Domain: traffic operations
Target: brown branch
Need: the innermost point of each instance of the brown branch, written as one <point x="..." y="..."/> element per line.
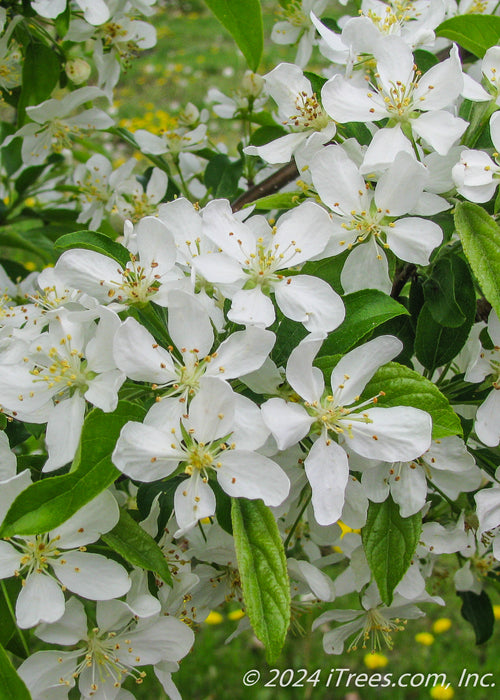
<point x="270" y="185"/>
<point x="401" y="279"/>
<point x="483" y="308"/>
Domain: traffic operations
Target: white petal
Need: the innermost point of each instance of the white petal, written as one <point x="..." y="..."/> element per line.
<point x="400" y="186"/>
<point x="301" y="233"/>
<point x="488" y="508"/>
<point x="252" y="307"/>
<point x="311" y="301"/>
<point x="69" y="629"/>
<point x="40" y="600"/>
<point x="138" y="354"/>
<point x="393" y="434"/>
<point x="63" y="431"/>
<point x="366" y="268"/>
<point x="288" y="422"/>
<point x="305" y="379"/>
<point x="410" y="490"/>
<point x="92" y="575"/>
<point x="193" y="500"/>
<point x="487" y="425"/>
<point x="211" y="412"/>
<point x="250" y="475"/>
<point x="243" y="352"/>
<point x="144" y="452"/>
<point x="10" y="560"/>
<point x="89" y="522"/>
<point x="346" y="102"/>
<point x="327" y="470"/>
<point x="354" y="370"/>
<point x="440" y="129"/>
<point x="188" y="323"/>
<point x="278" y="151"/>
<point x="413" y="239"/>
<point x="340" y="193"/>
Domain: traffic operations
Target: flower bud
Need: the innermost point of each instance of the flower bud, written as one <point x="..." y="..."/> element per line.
<point x="252" y="84"/>
<point x="77" y="70"/>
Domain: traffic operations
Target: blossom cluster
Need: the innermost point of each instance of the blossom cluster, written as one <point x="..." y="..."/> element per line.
<point x="331" y="363"/>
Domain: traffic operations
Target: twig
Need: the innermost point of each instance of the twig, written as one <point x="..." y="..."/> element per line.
<point x="401" y="279"/>
<point x="270" y="185"/>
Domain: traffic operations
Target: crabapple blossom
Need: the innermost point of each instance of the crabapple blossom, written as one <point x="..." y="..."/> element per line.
<point x="219" y="434"/>
<point x="252" y="258"/>
<point x="55" y="561"/>
<point x="404" y="432"/>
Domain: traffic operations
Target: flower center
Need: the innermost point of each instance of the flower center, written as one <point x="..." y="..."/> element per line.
<point x="310" y="114"/>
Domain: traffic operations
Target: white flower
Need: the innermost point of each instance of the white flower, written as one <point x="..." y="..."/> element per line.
<point x="106" y="654"/>
<point x="97" y="184"/>
<point x="253" y="255"/>
<point x="219" y="435"/>
<point x="56" y="560"/>
<point x="51" y="127"/>
<point x="69" y="364"/>
<point x="447" y="464"/>
<point x="374" y="623"/>
<point x="402" y="95"/>
<point x="477" y="176"/>
<point x="146" y="277"/>
<point x="486" y="366"/>
<point x="369" y="221"/>
<point x="403" y="432"/>
<point x="298" y="27"/>
<point x="141" y="358"/>
<point x="94" y="11"/>
<point x="300" y="109"/>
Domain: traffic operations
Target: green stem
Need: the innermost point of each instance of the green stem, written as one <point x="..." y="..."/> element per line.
<point x="452" y="505"/>
<point x="294" y="526"/>
<point x="13" y="615"/>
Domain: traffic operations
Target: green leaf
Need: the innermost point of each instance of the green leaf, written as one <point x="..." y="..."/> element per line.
<point x="243" y="20"/>
<point x="328" y="269"/>
<point x="48" y="503"/>
<point x="364" y="311"/>
<point x="317" y="82"/>
<point x="389" y="542"/>
<point x="424" y="60"/>
<point x="41" y="69"/>
<point x="266" y="134"/>
<point x="477" y="610"/>
<point x="281" y="200"/>
<point x="435" y="344"/>
<point x="264" y="576"/>
<point x="480" y="237"/>
<point x="9" y="590"/>
<point x="475" y="33"/>
<point x="12" y="686"/>
<point x="137" y="547"/>
<point x="91" y="240"/>
<point x="222" y="176"/>
<point x="405" y="387"/>
<point x="32" y="240"/>
<point x="440" y="291"/>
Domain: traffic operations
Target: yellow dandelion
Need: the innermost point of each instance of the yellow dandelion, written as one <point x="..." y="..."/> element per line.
<point x="496" y="612"/>
<point x="441" y="692"/>
<point x="214" y="618"/>
<point x="441" y="625"/>
<point x="236" y="614"/>
<point x="30" y="265"/>
<point x="375" y="660"/>
<point x="424" y="638"/>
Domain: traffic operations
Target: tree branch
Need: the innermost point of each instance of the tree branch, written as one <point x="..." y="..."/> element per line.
<point x="270" y="185"/>
<point x="401" y="279"/>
